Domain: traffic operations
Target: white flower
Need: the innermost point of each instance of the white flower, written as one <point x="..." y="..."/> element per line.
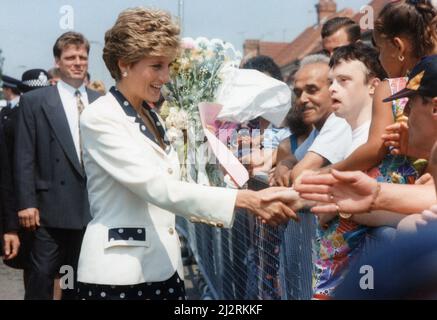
<point x="185" y="64"/>
<point x="177" y="119"/>
<point x="174" y="110"/>
<point x="170" y="121"/>
<point x="197" y="75"/>
<point x="181" y="120"/>
<point x="175" y="135"/>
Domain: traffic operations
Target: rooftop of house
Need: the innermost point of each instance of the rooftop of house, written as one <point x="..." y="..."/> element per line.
<point x="309" y="41"/>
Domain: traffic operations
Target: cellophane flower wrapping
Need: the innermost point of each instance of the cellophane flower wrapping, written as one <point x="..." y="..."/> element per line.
<point x="195" y="77"/>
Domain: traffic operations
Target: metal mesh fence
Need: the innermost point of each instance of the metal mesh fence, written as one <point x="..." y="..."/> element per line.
<point x="252" y="260"/>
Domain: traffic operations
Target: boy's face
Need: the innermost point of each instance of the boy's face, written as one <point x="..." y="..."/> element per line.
<point x="349" y="90"/>
<point x="422" y="124"/>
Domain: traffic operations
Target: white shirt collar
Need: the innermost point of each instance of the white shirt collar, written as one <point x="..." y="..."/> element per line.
<point x="65" y="87"/>
<point x="13" y="103"/>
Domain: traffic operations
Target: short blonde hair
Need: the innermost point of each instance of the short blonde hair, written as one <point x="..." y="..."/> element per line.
<point x="98" y="85"/>
<point x="137" y="33"/>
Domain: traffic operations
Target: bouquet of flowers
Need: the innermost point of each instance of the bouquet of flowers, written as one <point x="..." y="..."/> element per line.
<point x="207" y="71"/>
<point x="195" y="77"/>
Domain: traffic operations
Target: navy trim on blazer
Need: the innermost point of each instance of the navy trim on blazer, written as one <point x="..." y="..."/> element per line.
<point x="130" y="111"/>
<point x="127" y="234"/>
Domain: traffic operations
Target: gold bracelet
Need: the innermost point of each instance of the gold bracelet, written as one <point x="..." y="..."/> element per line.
<point x="375" y="196"/>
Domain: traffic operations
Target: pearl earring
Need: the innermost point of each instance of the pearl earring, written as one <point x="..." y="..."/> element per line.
<point x="124" y="74"/>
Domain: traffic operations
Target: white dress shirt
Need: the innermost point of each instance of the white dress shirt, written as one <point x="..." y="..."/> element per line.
<point x="69" y="103"/>
<point x="14" y="102"/>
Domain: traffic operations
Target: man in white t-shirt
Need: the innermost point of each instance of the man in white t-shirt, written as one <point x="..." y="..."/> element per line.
<point x="331" y="136"/>
<point x="354" y="75"/>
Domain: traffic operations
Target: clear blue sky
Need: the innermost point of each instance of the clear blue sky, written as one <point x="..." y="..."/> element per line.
<point x="28" y="28"/>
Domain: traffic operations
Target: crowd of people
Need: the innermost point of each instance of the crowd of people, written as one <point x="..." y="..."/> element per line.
<point x="380" y="93"/>
<point x="89" y="179"/>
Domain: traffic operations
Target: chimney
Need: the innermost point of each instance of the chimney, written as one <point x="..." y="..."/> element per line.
<point x="325" y="9"/>
<point x="251" y="47"/>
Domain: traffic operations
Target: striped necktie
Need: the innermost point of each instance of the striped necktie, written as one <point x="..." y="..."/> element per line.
<point x="80" y="107"/>
<point x="79" y="103"/>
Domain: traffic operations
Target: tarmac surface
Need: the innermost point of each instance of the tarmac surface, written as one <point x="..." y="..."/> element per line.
<point x="11" y="283"/>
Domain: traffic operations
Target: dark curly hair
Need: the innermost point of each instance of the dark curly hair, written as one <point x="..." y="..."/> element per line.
<point x="264" y="64"/>
<point x="415" y="19"/>
<point x="361" y="52"/>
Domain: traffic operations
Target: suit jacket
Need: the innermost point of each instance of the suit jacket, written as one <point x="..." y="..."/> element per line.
<point x="48" y="174"/>
<point x="8" y="215"/>
<point x="135" y="192"/>
<point x="8" y="118"/>
<point x="7" y="121"/>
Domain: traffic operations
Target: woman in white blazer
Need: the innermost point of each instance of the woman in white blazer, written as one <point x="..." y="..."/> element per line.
<point x="131" y="249"/>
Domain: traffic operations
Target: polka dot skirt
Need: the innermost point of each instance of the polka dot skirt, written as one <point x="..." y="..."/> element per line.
<point x="171" y="289"/>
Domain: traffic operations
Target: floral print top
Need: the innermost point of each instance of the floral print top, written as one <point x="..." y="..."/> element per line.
<point x="397" y="169"/>
<point x="341" y="243"/>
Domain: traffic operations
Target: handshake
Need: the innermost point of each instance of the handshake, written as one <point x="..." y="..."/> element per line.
<point x="274" y="205"/>
<point x="327" y="194"/>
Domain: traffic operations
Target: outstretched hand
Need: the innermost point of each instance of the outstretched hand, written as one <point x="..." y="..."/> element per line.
<point x="285" y="199"/>
<point x="288" y="196"/>
<point x="272" y="205"/>
<point x="348" y="192"/>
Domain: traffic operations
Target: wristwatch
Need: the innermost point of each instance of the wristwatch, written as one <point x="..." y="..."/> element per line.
<point x="345" y="215"/>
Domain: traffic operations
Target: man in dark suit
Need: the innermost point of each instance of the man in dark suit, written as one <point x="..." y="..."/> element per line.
<point x="9" y="225"/>
<point x="30" y="80"/>
<point x="49" y="176"/>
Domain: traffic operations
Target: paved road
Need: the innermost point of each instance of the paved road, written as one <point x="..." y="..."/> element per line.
<point x="11" y="283"/>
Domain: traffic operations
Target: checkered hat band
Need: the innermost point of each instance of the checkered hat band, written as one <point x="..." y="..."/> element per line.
<point x="35" y="83"/>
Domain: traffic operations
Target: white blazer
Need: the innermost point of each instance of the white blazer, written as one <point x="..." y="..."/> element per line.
<point x="134" y="192"/>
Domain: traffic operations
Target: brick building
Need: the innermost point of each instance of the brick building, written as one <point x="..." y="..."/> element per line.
<point x="287" y="54"/>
